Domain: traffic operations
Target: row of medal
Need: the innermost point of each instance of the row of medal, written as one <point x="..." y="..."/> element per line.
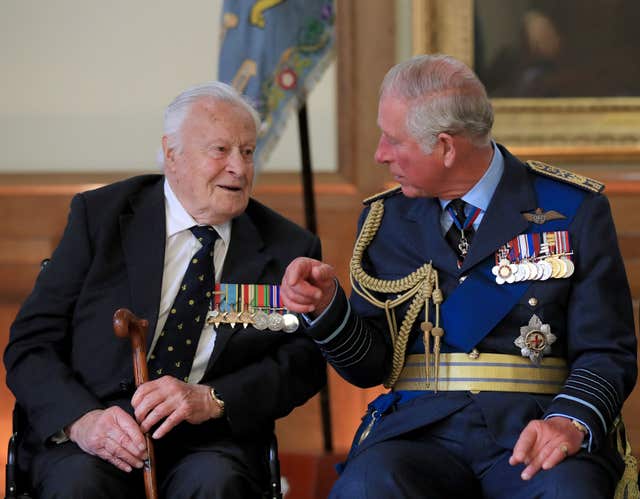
<point x="534" y="257"/>
<point x="258" y="305"/>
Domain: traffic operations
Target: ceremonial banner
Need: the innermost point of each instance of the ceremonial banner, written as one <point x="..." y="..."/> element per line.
<point x="274" y="51"/>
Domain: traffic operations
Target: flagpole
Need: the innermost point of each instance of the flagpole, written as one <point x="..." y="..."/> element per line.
<point x="310" y="220"/>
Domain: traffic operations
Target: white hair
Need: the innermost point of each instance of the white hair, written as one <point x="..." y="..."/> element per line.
<point x="445" y="96"/>
<point x="178" y="109"/>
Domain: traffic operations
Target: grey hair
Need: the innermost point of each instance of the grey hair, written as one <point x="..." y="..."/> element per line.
<point x="176" y="112"/>
<point x="444" y="96"/>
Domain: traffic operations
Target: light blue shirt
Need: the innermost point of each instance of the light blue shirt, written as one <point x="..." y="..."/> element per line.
<point x="480" y="194"/>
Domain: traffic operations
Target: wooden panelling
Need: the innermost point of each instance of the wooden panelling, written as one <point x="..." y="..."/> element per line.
<point x="7" y="314"/>
<point x="309" y="476"/>
<point x="631" y="409"/>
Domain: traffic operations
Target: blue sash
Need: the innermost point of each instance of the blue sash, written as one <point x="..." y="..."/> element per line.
<point x="489" y="301"/>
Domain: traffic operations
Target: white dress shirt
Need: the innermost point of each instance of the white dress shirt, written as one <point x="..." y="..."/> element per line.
<point x="180" y="246"/>
<point x="479" y="196"/>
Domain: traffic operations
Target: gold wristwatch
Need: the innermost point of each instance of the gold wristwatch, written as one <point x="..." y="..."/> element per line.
<point x="217" y="400"/>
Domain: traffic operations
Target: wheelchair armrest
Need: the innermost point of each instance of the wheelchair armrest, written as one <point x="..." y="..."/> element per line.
<point x="16" y="480"/>
<point x="274" y="469"/>
<point x="11" y="469"/>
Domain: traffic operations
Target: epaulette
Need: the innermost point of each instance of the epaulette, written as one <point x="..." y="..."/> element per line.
<point x="565" y="176"/>
<point x="383" y="194"/>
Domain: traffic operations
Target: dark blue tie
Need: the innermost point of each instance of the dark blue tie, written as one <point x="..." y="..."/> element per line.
<point x="176" y="346"/>
<point x="459" y="237"/>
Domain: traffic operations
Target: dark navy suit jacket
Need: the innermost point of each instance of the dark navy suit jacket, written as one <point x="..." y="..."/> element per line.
<point x="590" y="313"/>
<point x="64" y="360"/>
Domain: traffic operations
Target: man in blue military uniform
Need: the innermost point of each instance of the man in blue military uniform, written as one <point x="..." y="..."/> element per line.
<point x="489" y="296"/>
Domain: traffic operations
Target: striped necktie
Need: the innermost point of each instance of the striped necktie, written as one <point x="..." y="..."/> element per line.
<point x="461" y="232"/>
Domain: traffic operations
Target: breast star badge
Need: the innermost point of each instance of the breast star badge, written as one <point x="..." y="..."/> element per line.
<point x="535" y="340"/>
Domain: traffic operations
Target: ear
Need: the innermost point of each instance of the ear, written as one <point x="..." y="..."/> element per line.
<point x="168" y="152"/>
<point x="447" y="145"/>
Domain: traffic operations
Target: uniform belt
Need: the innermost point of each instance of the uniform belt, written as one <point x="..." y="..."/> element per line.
<point x="490" y="372"/>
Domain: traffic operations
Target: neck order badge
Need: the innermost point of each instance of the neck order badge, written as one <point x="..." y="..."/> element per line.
<point x="461" y="232"/>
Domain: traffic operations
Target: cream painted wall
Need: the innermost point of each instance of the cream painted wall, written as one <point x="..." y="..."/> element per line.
<point x="84" y="83"/>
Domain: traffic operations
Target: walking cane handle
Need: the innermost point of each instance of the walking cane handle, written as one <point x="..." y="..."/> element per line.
<point x="127" y="325"/>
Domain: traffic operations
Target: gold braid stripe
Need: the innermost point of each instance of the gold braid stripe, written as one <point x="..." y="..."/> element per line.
<point x="418" y="285"/>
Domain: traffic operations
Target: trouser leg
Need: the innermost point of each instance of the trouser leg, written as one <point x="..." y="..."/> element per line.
<point x="67" y="472"/>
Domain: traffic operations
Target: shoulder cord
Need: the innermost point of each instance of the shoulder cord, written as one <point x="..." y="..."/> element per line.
<point x="627" y="487"/>
<point x="422" y="285"/>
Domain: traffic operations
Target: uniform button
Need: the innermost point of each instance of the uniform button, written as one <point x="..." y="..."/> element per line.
<point x="533" y="301"/>
<point x="461" y="280"/>
<point x="474" y="354"/>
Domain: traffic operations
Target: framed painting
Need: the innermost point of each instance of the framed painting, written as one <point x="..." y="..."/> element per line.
<point x="561" y="75"/>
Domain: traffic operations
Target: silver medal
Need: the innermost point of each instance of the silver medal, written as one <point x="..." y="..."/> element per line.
<point x="290" y="323"/>
<point x="275" y="322"/>
<point x="260" y="320"/>
<point x="546" y="270"/>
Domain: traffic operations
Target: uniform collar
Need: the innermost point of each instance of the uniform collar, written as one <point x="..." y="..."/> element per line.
<point x="481" y="193"/>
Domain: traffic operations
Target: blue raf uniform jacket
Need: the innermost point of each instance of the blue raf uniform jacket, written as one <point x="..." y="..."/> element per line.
<point x="590" y="312"/>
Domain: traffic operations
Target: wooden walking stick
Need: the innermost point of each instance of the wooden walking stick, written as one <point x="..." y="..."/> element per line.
<point x="127" y="325"/>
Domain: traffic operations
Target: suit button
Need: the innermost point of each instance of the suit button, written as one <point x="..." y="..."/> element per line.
<point x="533" y="301"/>
<point x="461" y="280"/>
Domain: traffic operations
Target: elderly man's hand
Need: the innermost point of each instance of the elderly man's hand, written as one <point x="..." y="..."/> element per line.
<point x="544" y="444"/>
<point x="308" y="286"/>
<point x="112" y="435"/>
<point x="174" y="401"/>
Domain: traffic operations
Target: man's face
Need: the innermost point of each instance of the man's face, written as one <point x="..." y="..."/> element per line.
<point x="420" y="174"/>
<point x="212" y="173"/>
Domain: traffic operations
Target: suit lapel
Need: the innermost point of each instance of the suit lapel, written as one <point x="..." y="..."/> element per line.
<point x="503" y="219"/>
<point x="426" y="213"/>
<point x="143" y="241"/>
<point x="245" y="263"/>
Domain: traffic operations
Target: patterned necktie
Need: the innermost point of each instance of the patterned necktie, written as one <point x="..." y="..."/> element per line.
<point x="176" y="347"/>
<point x="460" y="234"/>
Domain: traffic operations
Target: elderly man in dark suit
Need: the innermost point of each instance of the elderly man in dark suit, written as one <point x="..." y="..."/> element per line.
<point x="129" y="244"/>
<point x="490" y="296"/>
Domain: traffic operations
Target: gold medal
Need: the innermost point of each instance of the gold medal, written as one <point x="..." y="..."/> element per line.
<point x="563" y="268"/>
<point x="570" y="267"/>
<point x="231" y="318"/>
<point x="214" y="317"/>
<point x="556" y="266"/>
<point x="246" y="318"/>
